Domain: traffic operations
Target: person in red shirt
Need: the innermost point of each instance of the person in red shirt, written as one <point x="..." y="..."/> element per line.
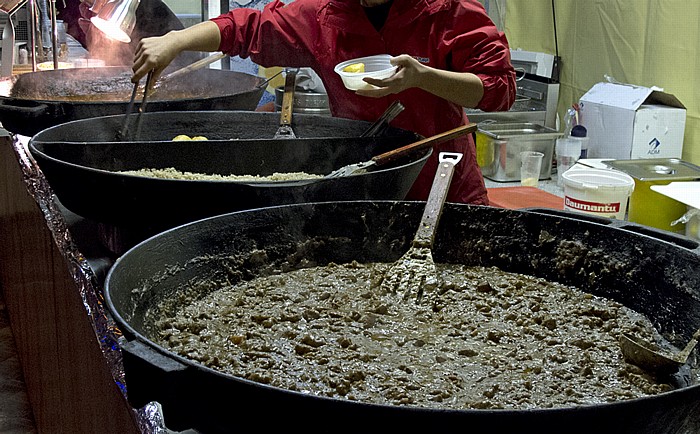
<point x="450" y="56"/>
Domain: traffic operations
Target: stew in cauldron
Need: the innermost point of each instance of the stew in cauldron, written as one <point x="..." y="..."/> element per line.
<point x="650" y="272"/>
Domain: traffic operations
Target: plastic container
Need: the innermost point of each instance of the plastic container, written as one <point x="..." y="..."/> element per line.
<point x="647" y="207"/>
<point x="568" y="151"/>
<point x="378" y="67"/>
<point x="599" y="192"/>
<point x="531" y="166"/>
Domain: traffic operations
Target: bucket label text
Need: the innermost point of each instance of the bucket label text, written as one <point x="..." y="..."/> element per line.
<point x="582" y="205"/>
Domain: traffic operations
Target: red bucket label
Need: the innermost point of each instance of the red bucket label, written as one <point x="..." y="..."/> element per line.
<point x="607" y="209"/>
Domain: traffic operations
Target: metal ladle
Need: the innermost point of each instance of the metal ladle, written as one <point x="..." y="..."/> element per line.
<point x="639" y="353"/>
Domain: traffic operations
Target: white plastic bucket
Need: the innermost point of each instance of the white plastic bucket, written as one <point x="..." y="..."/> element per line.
<point x="599" y="192"/>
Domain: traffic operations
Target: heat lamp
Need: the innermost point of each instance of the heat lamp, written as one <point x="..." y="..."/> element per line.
<point x="116" y="18"/>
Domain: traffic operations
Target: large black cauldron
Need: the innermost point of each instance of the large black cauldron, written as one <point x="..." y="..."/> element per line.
<point x="82" y="160"/>
<point x="652" y="272"/>
<point x="38" y="100"/>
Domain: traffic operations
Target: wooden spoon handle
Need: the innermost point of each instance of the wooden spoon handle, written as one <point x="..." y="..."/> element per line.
<point x="390" y="156"/>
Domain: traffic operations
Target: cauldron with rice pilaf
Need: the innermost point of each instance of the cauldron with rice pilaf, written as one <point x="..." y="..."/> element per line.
<point x="650" y="271"/>
<point x="83" y="164"/>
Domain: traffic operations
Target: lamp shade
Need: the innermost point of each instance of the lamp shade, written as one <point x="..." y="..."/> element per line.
<point x="116" y="18"/>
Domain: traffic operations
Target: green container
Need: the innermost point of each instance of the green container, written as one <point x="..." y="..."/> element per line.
<point x="648" y="207"/>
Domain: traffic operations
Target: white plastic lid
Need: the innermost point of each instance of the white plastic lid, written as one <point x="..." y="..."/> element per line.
<point x="598" y="179"/>
<point x="684" y="192"/>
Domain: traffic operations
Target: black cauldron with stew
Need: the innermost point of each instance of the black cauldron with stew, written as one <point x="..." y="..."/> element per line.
<point x="650" y="271"/>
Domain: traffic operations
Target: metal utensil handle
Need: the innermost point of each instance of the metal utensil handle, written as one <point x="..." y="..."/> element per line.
<point x="144" y="100"/>
<point x="290" y="83"/>
<point x="690" y="346"/>
<point x="389" y="114"/>
<point x="390" y="156"/>
<point x="267" y="80"/>
<point x="129" y="109"/>
<point x="436" y="200"/>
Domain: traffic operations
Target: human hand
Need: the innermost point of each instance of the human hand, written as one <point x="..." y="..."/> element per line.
<point x="154" y="54"/>
<point x="407" y="76"/>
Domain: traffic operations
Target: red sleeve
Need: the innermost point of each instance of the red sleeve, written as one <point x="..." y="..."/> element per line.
<point x="270" y="37"/>
<point x="475" y="45"/>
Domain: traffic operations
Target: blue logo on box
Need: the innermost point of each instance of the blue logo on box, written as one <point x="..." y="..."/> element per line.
<point x="654" y="145"/>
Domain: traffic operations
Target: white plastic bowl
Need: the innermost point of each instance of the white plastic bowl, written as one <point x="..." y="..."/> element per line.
<point x="377" y="67"/>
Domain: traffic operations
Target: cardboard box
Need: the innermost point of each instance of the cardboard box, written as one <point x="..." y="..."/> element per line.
<point x="630" y="122"/>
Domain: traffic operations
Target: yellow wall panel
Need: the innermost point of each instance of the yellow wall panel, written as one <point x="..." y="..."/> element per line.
<point x="643" y="42"/>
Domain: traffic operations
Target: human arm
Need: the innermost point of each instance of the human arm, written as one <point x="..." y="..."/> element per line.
<point x="462" y="88"/>
<point x="467" y="61"/>
<point x="156" y="53"/>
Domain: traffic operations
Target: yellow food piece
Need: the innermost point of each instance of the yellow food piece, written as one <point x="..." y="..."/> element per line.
<point x="183" y="137"/>
<point x="355" y="67"/>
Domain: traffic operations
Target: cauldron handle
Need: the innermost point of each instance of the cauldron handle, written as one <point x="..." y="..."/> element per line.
<point x="155" y="369"/>
<point x="32" y="112"/>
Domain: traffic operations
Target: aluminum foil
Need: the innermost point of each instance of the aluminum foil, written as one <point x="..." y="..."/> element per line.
<point x="149" y="418"/>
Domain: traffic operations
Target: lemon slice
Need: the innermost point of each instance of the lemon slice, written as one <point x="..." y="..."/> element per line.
<point x="355" y="67"/>
<point x="199" y="138"/>
<point x="181" y="138"/>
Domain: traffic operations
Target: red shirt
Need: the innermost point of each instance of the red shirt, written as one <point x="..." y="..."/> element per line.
<point x="454" y="35"/>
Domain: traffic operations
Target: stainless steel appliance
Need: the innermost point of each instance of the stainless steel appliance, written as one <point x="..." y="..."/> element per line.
<point x="14" y="29"/>
<point x="537" y="92"/>
<point x="499" y="144"/>
<point x="305" y="101"/>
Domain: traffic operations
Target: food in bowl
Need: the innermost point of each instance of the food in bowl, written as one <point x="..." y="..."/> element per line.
<point x="378" y="67"/>
<point x="355" y="67"/>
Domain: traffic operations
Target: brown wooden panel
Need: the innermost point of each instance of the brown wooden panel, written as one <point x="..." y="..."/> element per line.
<point x="70" y="386"/>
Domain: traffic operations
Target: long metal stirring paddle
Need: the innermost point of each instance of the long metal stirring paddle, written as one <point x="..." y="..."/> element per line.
<point x="389" y="114"/>
<point x="142" y="108"/>
<point x="121" y="134"/>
